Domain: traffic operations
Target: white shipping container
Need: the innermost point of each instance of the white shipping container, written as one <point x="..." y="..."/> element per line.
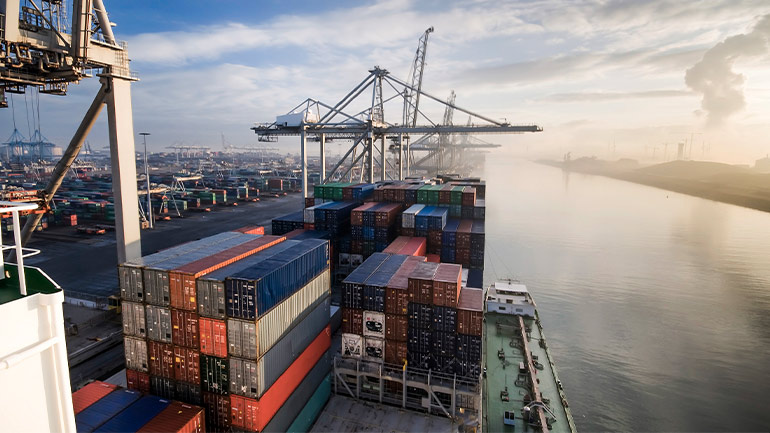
<point x="158" y="323"/>
<point x="374" y="349"/>
<point x="374" y="324"/>
<point x="309" y="215"/>
<point x="133" y="319"/>
<point x="356" y="260"/>
<point x="407" y="217"/>
<point x="344" y="259"/>
<point x="136" y="353"/>
<point x="352" y="345"/>
<point x="252" y="339"/>
<point x="295" y="119"/>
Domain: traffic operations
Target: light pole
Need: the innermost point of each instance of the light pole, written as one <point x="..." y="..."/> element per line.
<point x="147" y="176"/>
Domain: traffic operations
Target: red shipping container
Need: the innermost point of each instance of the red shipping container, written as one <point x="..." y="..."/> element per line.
<point x="217" y="411"/>
<point x="187" y="365"/>
<point x="433" y="258"/>
<point x="395" y="352"/>
<point x="137" y="380"/>
<point x="470" y="312"/>
<point x="463" y="236"/>
<point x="445" y="194"/>
<point x="396" y="327"/>
<point x="396" y="246"/>
<point x="469" y="196"/>
<point x="414" y="247"/>
<point x="446" y="285"/>
<point x="386" y="215"/>
<point x="357" y="214"/>
<point x="293" y="233"/>
<point x="181" y="280"/>
<point x="308" y="226"/>
<point x="177" y="417"/>
<point x="396" y="300"/>
<point x="184" y="328"/>
<point x="309" y="202"/>
<point x="253" y="415"/>
<point x="213" y="337"/>
<point x="161" y="357"/>
<point x="251" y="230"/>
<point x="400" y="196"/>
<point x="420" y="285"/>
<point x="90" y="394"/>
<point x="352" y="321"/>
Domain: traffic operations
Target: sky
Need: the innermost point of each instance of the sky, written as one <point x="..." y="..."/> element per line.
<point x="610" y="79"/>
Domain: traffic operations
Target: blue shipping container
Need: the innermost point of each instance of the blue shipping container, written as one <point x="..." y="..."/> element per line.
<point x="135" y="416"/>
<point x="100" y="412"/>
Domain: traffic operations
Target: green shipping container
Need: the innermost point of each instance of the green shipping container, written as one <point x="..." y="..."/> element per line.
<point x="313" y="408"/>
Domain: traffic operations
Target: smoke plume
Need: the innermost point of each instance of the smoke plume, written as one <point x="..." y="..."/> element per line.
<point x="713" y="75"/>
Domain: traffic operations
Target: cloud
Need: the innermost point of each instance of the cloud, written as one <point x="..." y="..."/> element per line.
<point x="713" y="75"/>
<point x="613" y="96"/>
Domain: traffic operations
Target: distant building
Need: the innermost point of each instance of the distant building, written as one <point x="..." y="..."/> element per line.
<point x="763" y="165"/>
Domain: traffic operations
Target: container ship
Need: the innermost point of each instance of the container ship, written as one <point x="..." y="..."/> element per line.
<point x="373" y="293"/>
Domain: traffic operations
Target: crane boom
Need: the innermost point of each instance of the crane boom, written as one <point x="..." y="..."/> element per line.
<point x="412" y="99"/>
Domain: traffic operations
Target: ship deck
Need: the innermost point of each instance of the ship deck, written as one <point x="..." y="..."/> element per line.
<point x="502" y="373"/>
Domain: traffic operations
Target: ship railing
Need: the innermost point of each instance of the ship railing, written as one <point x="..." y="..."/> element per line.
<point x="14" y="208"/>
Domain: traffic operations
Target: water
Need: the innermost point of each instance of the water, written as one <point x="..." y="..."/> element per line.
<point x="656" y="305"/>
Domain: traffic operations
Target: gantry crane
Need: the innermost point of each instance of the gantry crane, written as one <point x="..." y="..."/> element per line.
<point x="39" y="49"/>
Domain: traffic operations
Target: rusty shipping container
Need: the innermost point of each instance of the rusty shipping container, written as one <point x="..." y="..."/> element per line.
<point x="159" y="326"/>
<point x="446" y="285"/>
<point x="137" y="380"/>
<point x="134" y="322"/>
<point x="421" y="283"/>
<point x="470" y="312"/>
<point x="187" y="366"/>
<point x="253" y="415"/>
<point x="161" y="359"/>
<point x="252" y="378"/>
<point x="252" y="339"/>
<point x="184" y="329"/>
<point x="396" y="293"/>
<point x="217" y="411"/>
<point x="213" y="336"/>
<point x="396" y="326"/>
<point x="178" y="417"/>
<point x="395" y="352"/>
<point x="352" y="320"/>
<point x="136" y="353"/>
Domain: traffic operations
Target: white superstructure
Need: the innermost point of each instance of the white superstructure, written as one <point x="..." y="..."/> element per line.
<point x="508" y="297"/>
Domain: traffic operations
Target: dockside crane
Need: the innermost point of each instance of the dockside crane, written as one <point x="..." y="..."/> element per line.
<point x="41" y="50"/>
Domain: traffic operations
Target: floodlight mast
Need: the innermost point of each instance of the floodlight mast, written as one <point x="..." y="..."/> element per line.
<point x="39" y="52"/>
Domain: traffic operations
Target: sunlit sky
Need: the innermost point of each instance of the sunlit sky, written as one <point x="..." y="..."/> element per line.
<point x="591" y="73"/>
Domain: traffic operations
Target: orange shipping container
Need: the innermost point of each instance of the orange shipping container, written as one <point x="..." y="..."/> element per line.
<point x="253" y="415"/>
<point x="395" y="352"/>
<point x="470" y="312"/>
<point x="213" y="337"/>
<point x="446" y="285"/>
<point x="90" y="394"/>
<point x="396" y="327"/>
<point x="184" y="328"/>
<point x="187" y="365"/>
<point x="251" y="230"/>
<point x="161" y="359"/>
<point x="177" y="417"/>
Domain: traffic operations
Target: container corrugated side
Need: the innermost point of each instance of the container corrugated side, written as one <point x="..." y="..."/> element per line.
<point x="251" y="378"/>
<point x="178" y="417"/>
<point x="184" y="328"/>
<point x="217" y="411"/>
<point x="171" y="389"/>
<point x="159" y="326"/>
<point x="135" y="416"/>
<point x="252" y="339"/>
<point x="136" y="353"/>
<point x="215" y="374"/>
<point x="137" y="380"/>
<point x="213" y="337"/>
<point x="305" y="402"/>
<point x="90" y="394"/>
<point x="187" y="365"/>
<point x="90" y="418"/>
<point x="161" y="359"/>
<point x="134" y="322"/>
<point x="253" y="415"/>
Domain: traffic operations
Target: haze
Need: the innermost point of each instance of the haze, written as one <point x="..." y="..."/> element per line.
<point x="612" y="79"/>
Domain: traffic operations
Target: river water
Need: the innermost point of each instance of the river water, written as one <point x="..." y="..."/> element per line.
<point x="656" y="305"/>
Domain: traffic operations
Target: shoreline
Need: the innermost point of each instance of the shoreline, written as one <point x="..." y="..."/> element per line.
<point x="709" y="190"/>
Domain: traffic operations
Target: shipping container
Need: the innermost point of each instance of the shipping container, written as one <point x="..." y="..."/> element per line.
<point x="213" y="337"/>
<point x="251" y="378"/>
<point x="159" y="327"/>
<point x="352" y="320"/>
<point x="171" y="389"/>
<point x="217" y="411"/>
<point x="184" y="329"/>
<point x="135" y="416"/>
<point x="396" y="327"/>
<point x="469" y="348"/>
<point x="420" y="284"/>
<point x="444" y="319"/>
<point x="353" y="285"/>
<point x="396" y="293"/>
<point x="99" y="412"/>
<point x="420" y="315"/>
<point x="419" y="359"/>
<point x="134" y="323"/>
<point x="187" y="365"/>
<point x="178" y="417"/>
<point x="468" y="369"/>
<point x="444" y="343"/>
<point x="212" y="300"/>
<point x="251" y="230"/>
<point x="446" y="285"/>
<point x="397" y="245"/>
<point x="463" y="235"/>
<point x="357" y="214"/>
<point x="352" y="345"/>
<point x="253" y="415"/>
<point x="161" y="359"/>
<point x="307" y="417"/>
<point x="287" y="223"/>
<point x="395" y="352"/>
<point x="415" y="247"/>
<point x="374" y="286"/>
<point x="443" y="364"/>
<point x="90" y="394"/>
<point x="252" y="339"/>
<point x="470" y="312"/>
<point x="374" y="324"/>
<point x="420" y="340"/>
<point x="215" y="376"/>
<point x="137" y="380"/>
<point x="374" y="349"/>
<point x="252" y="293"/>
<point x="136" y="354"/>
